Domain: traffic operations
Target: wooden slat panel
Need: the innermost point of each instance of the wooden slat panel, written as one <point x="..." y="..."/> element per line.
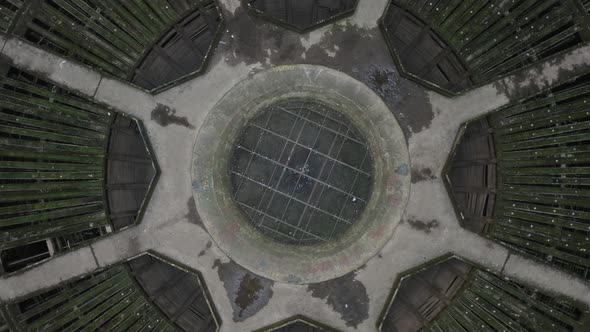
<point x="90" y="304"/>
<point x="301" y="14"/>
<point x="544" y="171"/>
<point x="182" y="50"/>
<point x="114" y="300"/>
<point x="53" y="148"/>
<point x="489" y="38"/>
<point x="481" y="301"/>
<point x="126" y="38"/>
<point x="8" y="12"/>
<point x="54" y="181"/>
<point x="490" y="303"/>
<point x="472" y="176"/>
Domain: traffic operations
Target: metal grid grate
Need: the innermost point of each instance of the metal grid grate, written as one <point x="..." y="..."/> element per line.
<point x="301" y="172"/>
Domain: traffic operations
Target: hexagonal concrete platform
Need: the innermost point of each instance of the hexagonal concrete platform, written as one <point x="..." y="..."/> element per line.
<point x="540" y="80"/>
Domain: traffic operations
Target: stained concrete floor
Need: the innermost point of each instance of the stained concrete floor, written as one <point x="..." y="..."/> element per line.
<point x="172" y="227"/>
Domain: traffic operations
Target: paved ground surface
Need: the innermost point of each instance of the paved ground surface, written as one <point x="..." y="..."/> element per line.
<point x="172" y="227"/>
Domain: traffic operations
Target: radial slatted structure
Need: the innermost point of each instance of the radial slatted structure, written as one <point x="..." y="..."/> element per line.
<point x="521" y="175"/>
<point x="490" y="303"/>
<point x="544" y="170"/>
<point x="120" y="299"/>
<point x="453" y="45"/>
<point x="55" y="188"/>
<point x="453" y="295"/>
<point x="153" y="44"/>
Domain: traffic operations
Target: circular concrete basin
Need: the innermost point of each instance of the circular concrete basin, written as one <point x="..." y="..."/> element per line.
<point x="235" y="148"/>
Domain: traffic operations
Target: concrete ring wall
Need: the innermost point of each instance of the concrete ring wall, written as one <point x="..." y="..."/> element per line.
<point x="226" y="222"/>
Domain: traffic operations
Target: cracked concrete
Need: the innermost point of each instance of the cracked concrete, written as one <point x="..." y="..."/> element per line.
<point x="248" y="293"/>
<point x="164" y="116"/>
<point x="430" y="122"/>
<point x="345" y="295"/>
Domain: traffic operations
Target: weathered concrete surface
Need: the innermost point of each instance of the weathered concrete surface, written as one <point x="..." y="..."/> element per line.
<point x="77" y="77"/>
<point x="345" y="295"/>
<point x="60" y="268"/>
<point x="544" y="75"/>
<point x="354" y="46"/>
<point x="518" y="268"/>
<point x="248" y="293"/>
<point x="59" y="70"/>
<point x="122" y="96"/>
<point x="229" y="227"/>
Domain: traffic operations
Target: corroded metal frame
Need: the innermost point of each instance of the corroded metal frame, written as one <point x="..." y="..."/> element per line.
<point x="398" y="62"/>
<point x="294" y="319"/>
<point x="449" y="163"/>
<point x="259" y="14"/>
<point x="204" y="65"/>
<point x="157" y="172"/>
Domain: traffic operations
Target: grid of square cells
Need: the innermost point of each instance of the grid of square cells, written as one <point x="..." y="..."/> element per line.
<point x="301" y="172"/>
